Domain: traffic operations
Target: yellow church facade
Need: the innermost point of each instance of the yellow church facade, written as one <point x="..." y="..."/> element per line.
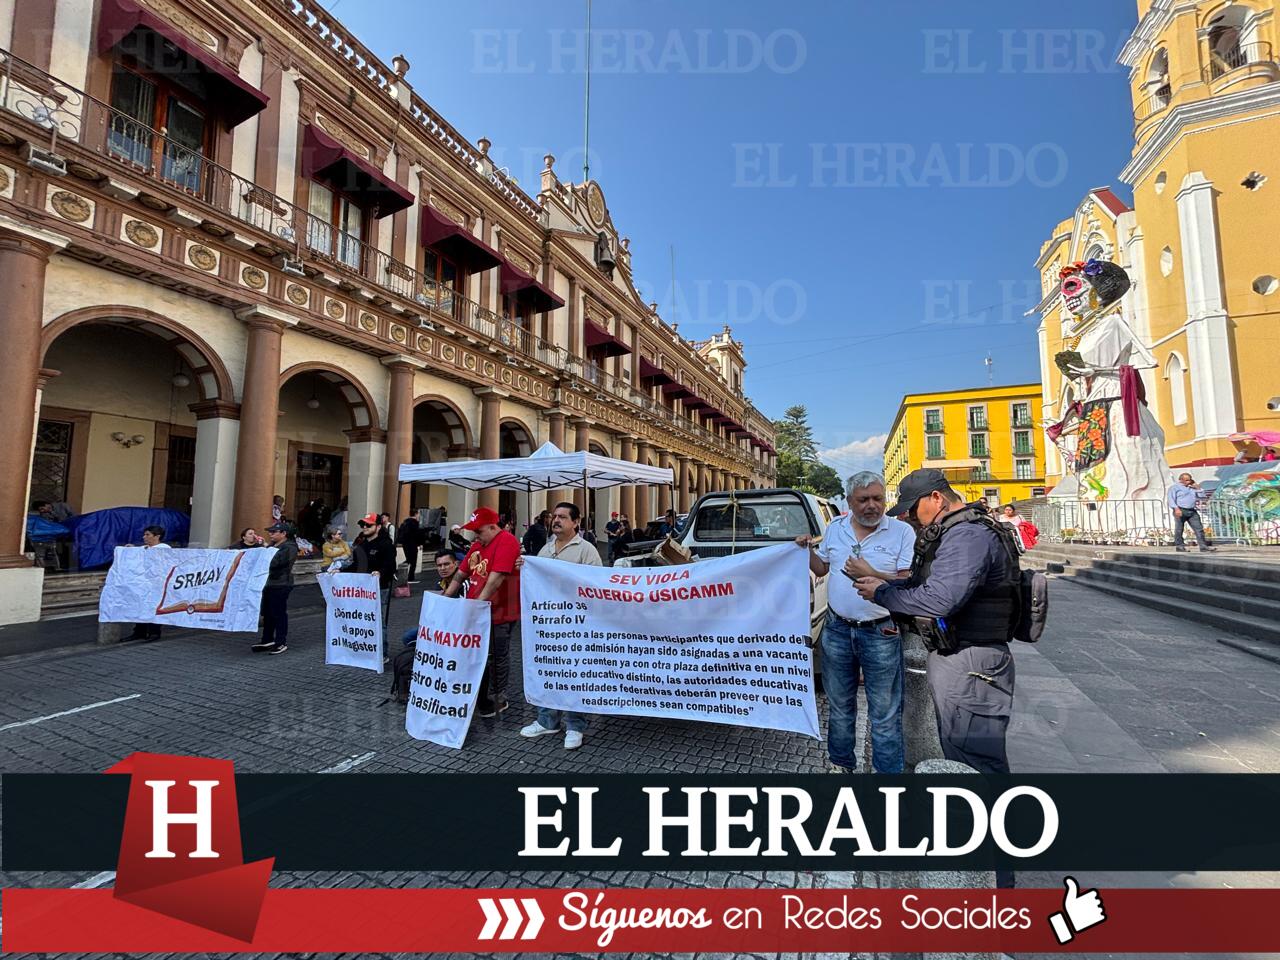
<point x="1199" y="242"/>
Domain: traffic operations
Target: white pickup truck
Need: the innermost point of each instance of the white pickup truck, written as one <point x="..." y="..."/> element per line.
<point x="717" y="527"/>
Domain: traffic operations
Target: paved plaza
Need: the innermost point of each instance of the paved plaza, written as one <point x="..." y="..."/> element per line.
<point x="1113" y="687"/>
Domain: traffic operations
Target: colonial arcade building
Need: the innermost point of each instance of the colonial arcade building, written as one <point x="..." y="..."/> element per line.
<point x="241" y="257"/>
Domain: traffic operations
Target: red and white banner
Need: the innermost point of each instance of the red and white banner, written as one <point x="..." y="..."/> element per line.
<point x="596" y="921"/>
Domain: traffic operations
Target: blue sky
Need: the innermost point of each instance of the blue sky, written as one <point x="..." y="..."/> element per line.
<point x="859" y="189"/>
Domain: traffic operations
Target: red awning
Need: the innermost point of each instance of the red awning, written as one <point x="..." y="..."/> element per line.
<point x="651" y="371"/>
<point x="598" y="338"/>
<point x="124" y="20"/>
<point x="456" y="243"/>
<point x="324" y="158"/>
<point x="515" y="282"/>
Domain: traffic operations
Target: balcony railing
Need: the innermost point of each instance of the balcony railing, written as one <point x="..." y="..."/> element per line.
<point x="1153" y="103"/>
<point x="1222" y="62"/>
<point x="179" y="175"/>
<point x="932" y="426"/>
<point x="1021" y="419"/>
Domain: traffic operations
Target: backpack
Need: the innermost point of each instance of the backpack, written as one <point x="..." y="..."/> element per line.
<point x="1031" y="586"/>
<point x="401" y="674"/>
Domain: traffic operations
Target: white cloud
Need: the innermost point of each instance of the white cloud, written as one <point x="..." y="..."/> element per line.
<point x="864" y="454"/>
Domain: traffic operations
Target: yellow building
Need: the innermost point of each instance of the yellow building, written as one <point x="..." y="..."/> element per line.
<point x="986" y="440"/>
<point x="1198" y="244"/>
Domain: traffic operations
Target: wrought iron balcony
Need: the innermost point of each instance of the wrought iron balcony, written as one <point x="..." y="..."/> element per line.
<point x="1155" y="102"/>
<point x="171" y="175"/>
<point x="1219" y="63"/>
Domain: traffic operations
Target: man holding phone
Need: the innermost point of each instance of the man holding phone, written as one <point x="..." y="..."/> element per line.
<point x="858" y="634"/>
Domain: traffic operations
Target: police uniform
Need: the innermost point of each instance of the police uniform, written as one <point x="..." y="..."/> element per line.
<point x="963" y="589"/>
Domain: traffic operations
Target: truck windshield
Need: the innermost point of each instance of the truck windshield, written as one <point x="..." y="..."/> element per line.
<point x="750" y="520"/>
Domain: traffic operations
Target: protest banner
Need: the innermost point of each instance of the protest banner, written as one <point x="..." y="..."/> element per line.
<point x="723" y="640"/>
<point x="201" y="589"/>
<point x="352" y="620"/>
<point x="448" y="662"/>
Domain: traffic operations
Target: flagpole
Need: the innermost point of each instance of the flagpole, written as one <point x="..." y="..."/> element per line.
<point x="586" y="118"/>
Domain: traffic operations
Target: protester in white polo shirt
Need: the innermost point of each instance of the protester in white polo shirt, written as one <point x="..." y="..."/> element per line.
<point x="859" y="635"/>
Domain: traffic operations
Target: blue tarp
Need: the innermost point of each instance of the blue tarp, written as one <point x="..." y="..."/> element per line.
<point x="97" y="534"/>
<point x="40" y="530"/>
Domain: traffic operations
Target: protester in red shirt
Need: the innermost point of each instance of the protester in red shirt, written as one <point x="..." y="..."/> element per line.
<point x="490" y="567"/>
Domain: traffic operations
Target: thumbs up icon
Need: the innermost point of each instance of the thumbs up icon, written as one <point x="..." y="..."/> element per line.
<point x="1083" y="910"/>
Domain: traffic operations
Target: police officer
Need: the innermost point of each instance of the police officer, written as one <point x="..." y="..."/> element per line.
<point x="963" y="598"/>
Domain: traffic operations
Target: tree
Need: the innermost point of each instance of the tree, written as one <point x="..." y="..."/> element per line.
<point x="795" y="436"/>
<point x="824" y="481"/>
<point x="791" y="471"/>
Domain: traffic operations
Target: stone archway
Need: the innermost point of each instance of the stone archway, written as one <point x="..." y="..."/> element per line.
<point x="329" y="447"/>
<point x="136" y="410"/>
<point x="515" y="439"/>
<point x="441" y="431"/>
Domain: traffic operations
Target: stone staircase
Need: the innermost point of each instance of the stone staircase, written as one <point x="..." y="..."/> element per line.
<point x="1235" y="590"/>
<point x="76" y="594"/>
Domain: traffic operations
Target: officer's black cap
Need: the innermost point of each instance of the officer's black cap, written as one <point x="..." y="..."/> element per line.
<point x="917" y="484"/>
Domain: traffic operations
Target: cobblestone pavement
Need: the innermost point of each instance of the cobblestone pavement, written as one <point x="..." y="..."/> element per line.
<point x="1113" y="687"/>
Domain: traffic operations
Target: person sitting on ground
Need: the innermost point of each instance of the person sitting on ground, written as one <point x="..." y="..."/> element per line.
<point x="446" y="567"/>
<point x="337" y="552"/>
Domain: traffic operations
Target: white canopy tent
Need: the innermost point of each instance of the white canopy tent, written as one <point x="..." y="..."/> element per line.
<point x="547" y="468"/>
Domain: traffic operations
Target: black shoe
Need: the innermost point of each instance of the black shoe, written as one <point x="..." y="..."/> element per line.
<point x="278" y="648"/>
<point x="263" y="646"/>
<point x="1208" y="549"/>
<point x="1181" y="549"/>
<point x="490" y="709"/>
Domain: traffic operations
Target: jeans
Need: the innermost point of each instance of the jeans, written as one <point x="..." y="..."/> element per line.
<point x="493" y="685"/>
<point x="275" y="613"/>
<point x="1190" y="518"/>
<point x="572" y="721"/>
<point x="878" y="653"/>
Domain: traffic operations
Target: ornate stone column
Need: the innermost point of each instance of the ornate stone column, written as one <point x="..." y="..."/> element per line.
<point x="213" y="490"/>
<point x="643" y="507"/>
<point x="581" y="443"/>
<point x="627" y="494"/>
<point x="259" y="418"/>
<point x="24" y="259"/>
<point x="555" y="425"/>
<point x="664" y="492"/>
<point x="399" y="432"/>
<point x="490" y="438"/>
<point x="684" y="475"/>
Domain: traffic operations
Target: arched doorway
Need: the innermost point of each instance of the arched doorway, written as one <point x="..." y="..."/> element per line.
<point x="515" y="440"/>
<point x="326" y="447"/>
<point x="119" y="424"/>
<point x="440" y="432"/>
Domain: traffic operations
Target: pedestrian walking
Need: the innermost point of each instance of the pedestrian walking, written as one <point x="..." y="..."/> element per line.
<point x="275" y="594"/>
<point x="566" y="544"/>
<point x="409" y="537"/>
<point x="490" y="570"/>
<point x="859" y="635"/>
<point x="1184" y="501"/>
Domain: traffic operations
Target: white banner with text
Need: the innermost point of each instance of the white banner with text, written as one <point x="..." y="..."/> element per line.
<point x="448" y="663"/>
<point x="202" y="589"/>
<point x="352" y="620"/>
<point x="724" y="640"/>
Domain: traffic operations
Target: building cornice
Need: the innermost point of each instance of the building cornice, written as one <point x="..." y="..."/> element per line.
<point x="1174" y="126"/>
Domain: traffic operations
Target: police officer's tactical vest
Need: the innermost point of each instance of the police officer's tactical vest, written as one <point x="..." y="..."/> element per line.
<point x="993" y="612"/>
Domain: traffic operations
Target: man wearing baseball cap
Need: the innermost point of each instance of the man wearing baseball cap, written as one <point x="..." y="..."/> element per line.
<point x="963" y="597"/>
<point x="490" y="568"/>
<point x="375" y="552"/>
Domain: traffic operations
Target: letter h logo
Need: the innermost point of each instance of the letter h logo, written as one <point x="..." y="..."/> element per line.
<point x="180" y="852"/>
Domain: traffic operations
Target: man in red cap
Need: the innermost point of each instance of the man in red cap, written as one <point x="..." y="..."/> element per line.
<point x="375" y="552"/>
<point x="490" y="565"/>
